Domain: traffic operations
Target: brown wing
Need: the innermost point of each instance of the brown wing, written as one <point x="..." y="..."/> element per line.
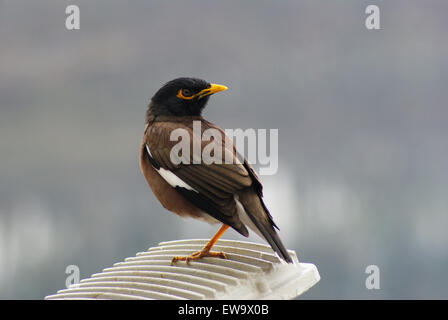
<point x="212" y="186"/>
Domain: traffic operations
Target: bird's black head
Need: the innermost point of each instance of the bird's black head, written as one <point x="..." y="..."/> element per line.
<point x="183" y="97"/>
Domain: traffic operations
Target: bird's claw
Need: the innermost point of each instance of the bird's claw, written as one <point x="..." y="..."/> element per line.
<point x="198" y="255"/>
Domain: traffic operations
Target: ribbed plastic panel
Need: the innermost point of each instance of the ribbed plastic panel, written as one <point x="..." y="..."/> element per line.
<point x="251" y="271"/>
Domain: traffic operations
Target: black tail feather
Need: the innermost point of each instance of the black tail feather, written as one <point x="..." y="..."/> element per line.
<point x="273" y="239"/>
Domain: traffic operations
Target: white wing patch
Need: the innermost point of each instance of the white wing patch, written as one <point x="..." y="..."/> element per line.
<point x="170" y="177"/>
<point x="174" y="180"/>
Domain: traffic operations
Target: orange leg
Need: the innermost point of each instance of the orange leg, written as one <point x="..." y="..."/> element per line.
<point x="205" y="252"/>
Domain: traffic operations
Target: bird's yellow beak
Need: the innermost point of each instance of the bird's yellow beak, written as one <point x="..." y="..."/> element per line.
<point x="211" y="90"/>
<point x="206" y="92"/>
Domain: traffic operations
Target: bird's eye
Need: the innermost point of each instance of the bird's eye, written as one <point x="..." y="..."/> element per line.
<point x="186" y="93"/>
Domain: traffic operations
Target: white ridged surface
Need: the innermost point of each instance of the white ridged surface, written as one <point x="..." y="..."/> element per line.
<point x="251" y="271"/>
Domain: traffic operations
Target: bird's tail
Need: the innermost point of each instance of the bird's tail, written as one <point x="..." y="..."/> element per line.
<point x="259" y="215"/>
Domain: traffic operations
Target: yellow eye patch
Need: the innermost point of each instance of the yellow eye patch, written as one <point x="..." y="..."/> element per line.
<point x="180" y="94"/>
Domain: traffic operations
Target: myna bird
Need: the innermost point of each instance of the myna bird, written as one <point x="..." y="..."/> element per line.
<point x="227" y="193"/>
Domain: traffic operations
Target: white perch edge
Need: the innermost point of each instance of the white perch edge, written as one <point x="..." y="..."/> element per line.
<point x="251" y="271"/>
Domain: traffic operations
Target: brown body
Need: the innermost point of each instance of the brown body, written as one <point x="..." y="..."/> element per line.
<point x="168" y="197"/>
<point x="220" y="183"/>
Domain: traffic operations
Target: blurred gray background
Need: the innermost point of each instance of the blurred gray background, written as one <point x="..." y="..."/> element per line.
<point x="362" y="119"/>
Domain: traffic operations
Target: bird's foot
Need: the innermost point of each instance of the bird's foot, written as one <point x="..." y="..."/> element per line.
<point x="198" y="255"/>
